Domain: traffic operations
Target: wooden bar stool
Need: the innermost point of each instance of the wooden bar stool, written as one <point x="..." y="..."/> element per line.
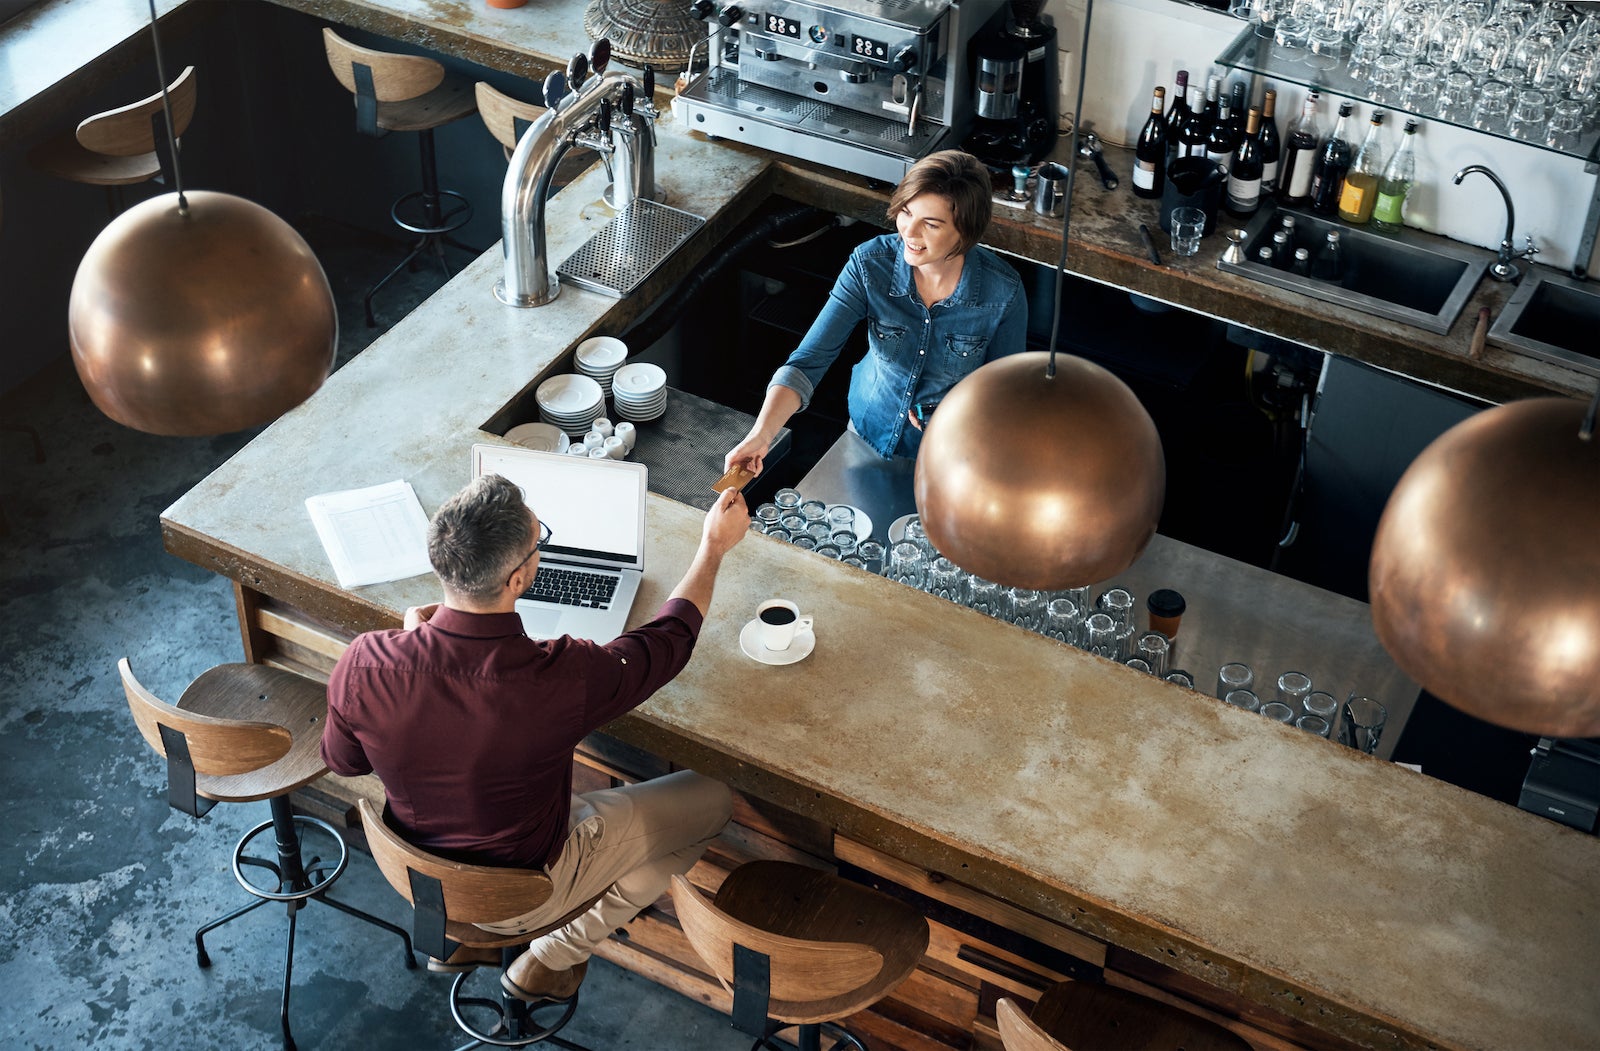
<point x="120" y="147"/>
<point x="507" y="118"/>
<point x="408" y="93"/>
<point x="1078" y="1016"/>
<point x="447" y="898"/>
<point x="243" y="732"/>
<point x="797" y="946"/>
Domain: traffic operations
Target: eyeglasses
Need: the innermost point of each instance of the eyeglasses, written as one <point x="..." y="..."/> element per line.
<point x="543" y="542"/>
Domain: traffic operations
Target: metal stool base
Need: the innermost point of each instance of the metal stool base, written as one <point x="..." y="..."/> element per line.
<point x="515" y="1024"/>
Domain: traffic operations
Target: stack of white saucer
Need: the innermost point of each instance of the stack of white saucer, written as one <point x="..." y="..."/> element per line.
<point x="599" y="357"/>
<point x="571" y="402"/>
<point x="639" y="391"/>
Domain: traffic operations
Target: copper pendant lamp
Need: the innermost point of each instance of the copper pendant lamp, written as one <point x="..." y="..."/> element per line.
<point x="200" y="313"/>
<point x="1075" y="499"/>
<point x="1485" y="571"/>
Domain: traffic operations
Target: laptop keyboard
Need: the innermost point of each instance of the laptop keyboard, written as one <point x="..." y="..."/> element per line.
<point x="569" y="587"/>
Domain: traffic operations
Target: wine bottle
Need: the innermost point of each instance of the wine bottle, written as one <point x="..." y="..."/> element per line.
<point x="1360" y="190"/>
<point x="1396" y="182"/>
<point x="1192" y="137"/>
<point x="1333" y="161"/>
<point x="1213" y="100"/>
<point x="1244" y="176"/>
<point x="1150" y="152"/>
<point x="1224" y="137"/>
<point x="1271" y="144"/>
<point x="1178" y="112"/>
<point x="1294" y="181"/>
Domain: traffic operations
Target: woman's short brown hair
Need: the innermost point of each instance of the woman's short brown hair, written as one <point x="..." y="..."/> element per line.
<point x="962" y="180"/>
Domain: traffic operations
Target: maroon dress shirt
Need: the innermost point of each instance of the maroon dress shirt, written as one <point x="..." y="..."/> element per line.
<point x="471" y="724"/>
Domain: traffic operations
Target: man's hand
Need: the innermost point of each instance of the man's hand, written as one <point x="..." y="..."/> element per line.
<point x="416" y="616"/>
<point x="726" y="523"/>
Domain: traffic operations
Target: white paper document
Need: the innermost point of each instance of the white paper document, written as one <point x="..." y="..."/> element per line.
<point x="372" y="535"/>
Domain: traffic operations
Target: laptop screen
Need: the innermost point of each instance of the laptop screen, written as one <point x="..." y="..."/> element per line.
<point x="594" y="508"/>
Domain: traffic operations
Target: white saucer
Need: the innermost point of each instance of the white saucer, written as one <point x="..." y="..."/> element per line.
<point x="897" y="528"/>
<point x="862" y="526"/>
<point x="543" y="437"/>
<point x="750" y="641"/>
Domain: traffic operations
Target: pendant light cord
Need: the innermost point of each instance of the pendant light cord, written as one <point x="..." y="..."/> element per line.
<point x="166" y="109"/>
<point x="1066" y="212"/>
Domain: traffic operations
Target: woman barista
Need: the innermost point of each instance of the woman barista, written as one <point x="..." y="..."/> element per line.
<point x="937" y="306"/>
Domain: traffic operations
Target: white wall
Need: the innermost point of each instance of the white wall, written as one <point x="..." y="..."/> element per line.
<point x="1136" y="44"/>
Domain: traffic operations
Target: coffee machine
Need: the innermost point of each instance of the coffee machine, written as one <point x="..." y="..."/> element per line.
<point x="1015" y="89"/>
<point x="868" y="86"/>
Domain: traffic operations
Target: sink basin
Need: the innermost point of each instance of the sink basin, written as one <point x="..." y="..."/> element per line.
<point x="1402" y="276"/>
<point x="1552" y="317"/>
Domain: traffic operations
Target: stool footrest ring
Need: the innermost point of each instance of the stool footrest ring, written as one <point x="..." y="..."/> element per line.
<point x="537" y="1031"/>
<point x="448" y="221"/>
<point x="308" y="882"/>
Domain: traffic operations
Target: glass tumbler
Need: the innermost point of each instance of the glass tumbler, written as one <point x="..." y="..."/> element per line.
<point x="828" y="551"/>
<point x="818" y="530"/>
<point x="1064" y="620"/>
<point x="1100" y="636"/>
<point x="1493" y="109"/>
<point x="844" y="540"/>
<point x="1027" y="608"/>
<point x="1421" y="90"/>
<point x="987" y="597"/>
<point x="814" y="511"/>
<point x="1324" y="47"/>
<point x="1362" y="725"/>
<point x="1154" y="648"/>
<point x="1388" y="74"/>
<point x="1313" y="724"/>
<point x="1321" y="704"/>
<point x="1456" y="91"/>
<point x="1234" y="676"/>
<point x="1566" y="125"/>
<point x="1118" y="602"/>
<point x="1293" y="687"/>
<point x="1242" y="699"/>
<point x="871" y="554"/>
<point x="907" y="564"/>
<point x="793" y="523"/>
<point x="946" y="579"/>
<point x="1528" y="117"/>
<point x="786" y="499"/>
<point x="766" y="514"/>
<point x="841" y="517"/>
<point x="1278" y="711"/>
<point x="1181" y="677"/>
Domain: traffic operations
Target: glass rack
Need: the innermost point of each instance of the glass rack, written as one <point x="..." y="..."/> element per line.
<point x="1260" y="54"/>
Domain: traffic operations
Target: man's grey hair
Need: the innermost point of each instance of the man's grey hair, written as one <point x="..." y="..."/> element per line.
<point x="479" y="536"/>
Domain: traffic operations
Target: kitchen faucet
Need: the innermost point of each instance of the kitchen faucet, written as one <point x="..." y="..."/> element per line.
<point x="581" y="113"/>
<point x="1504" y="268"/>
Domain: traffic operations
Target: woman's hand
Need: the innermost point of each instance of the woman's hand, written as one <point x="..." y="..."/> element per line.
<point x="749" y="454"/>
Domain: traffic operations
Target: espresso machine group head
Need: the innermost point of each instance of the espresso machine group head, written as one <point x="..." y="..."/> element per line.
<point x="859" y="85"/>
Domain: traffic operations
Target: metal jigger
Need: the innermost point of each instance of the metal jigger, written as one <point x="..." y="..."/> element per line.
<point x="1234" y="253"/>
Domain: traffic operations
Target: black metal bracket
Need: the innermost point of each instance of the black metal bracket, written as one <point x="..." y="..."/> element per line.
<point x="181" y="794"/>
<point x="366" y="102"/>
<point x="752" y="990"/>
<point x="427" y="904"/>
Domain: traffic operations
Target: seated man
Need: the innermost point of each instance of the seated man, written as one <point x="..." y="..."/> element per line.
<point x="471" y="725"/>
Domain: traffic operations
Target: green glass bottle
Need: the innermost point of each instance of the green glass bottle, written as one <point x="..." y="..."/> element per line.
<point x="1396" y="182"/>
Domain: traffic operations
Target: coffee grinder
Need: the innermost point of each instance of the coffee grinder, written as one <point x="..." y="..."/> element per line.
<point x="1015" y="80"/>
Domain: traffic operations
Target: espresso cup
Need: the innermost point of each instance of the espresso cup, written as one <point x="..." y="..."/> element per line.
<point x="778" y="621"/>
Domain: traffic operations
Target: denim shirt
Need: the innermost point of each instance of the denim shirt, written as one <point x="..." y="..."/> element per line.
<point x="915" y="353"/>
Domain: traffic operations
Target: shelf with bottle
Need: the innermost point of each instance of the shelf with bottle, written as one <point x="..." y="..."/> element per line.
<point x="1264" y="55"/>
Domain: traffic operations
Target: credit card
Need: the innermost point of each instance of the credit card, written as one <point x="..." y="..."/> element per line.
<point x="738" y="477"/>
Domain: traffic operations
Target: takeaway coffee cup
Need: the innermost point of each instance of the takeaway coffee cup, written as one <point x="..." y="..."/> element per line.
<point x="779" y="621"/>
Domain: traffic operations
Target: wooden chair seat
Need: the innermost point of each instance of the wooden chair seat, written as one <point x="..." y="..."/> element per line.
<point x="504" y="115"/>
<point x="472" y="893"/>
<point x="118" y="147"/>
<point x="835" y="947"/>
<point x="1080" y="1016"/>
<point x="413" y="93"/>
<point x="253" y="732"/>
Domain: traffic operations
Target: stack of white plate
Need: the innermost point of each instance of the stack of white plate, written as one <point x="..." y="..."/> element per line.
<point x="542" y="437"/>
<point x="570" y="401"/>
<point x="599" y="357"/>
<point x="639" y="391"/>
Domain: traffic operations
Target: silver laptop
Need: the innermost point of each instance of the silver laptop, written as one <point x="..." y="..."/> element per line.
<point x="590" y="571"/>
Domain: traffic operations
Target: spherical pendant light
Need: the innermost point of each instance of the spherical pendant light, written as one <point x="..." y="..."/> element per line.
<point x="1037" y="480"/>
<point x="202" y="319"/>
<point x="1485" y="572"/>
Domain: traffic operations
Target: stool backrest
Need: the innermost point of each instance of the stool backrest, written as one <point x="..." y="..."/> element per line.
<point x="472" y="893"/>
<point x="395" y="78"/>
<point x="137" y="128"/>
<point x="1019" y="1033"/>
<point x="217" y="747"/>
<point x="800" y="970"/>
<point x="505" y="117"/>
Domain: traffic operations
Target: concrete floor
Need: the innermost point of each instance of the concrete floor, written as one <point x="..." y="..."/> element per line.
<point x="101" y="884"/>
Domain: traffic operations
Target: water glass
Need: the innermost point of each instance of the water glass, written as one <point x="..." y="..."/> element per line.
<point x="766" y="515"/>
<point x="1456" y="91"/>
<point x="1118" y="602"/>
<point x="1422" y="88"/>
<point x="1100" y="636"/>
<point x="907" y="564"/>
<point x="1528" y="118"/>
<point x="1293" y="688"/>
<point x="1234" y="676"/>
<point x="1313" y="724"/>
<point x="1187" y="224"/>
<point x="1362" y="726"/>
<point x="787" y="499"/>
<point x="1447" y="44"/>
<point x="1264" y="15"/>
<point x="1388" y="74"/>
<point x="1324" y="47"/>
<point x="946" y="579"/>
<point x="841" y="517"/>
<point x="1242" y="699"/>
<point x="1364" y="51"/>
<point x="828" y="551"/>
<point x="987" y="597"/>
<point x="793" y="523"/>
<point x="844" y="540"/>
<point x="871" y="553"/>
<point x="1322" y="704"/>
<point x="1027" y="608"/>
<point x="1064" y="620"/>
<point x="803" y="542"/>
<point x="1278" y="711"/>
<point x="1492" y="42"/>
<point x="1181" y="677"/>
<point x="1566" y="125"/>
<point x="852" y="560"/>
<point x="819" y="531"/>
<point x="1154" y="648"/>
<point x="1139" y="664"/>
<point x="814" y="510"/>
<point x="1493" y="110"/>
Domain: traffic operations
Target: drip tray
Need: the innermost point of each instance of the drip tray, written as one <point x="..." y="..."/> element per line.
<point x="633" y="245"/>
